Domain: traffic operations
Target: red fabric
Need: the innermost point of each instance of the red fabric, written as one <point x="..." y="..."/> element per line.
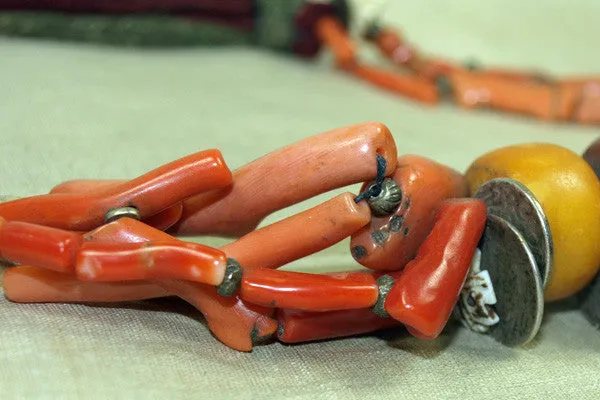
<point x="237" y="14"/>
<point x="307" y="44"/>
<point x="241" y="22"/>
<point x="133" y="6"/>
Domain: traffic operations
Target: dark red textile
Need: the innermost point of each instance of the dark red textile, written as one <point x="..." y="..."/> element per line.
<point x="133" y="6"/>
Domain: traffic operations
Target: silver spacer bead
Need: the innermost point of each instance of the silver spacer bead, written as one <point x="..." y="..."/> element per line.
<point x="232" y="280"/>
<point x="386" y="202"/>
<point x="384" y="285"/>
<point x="121" y="212"/>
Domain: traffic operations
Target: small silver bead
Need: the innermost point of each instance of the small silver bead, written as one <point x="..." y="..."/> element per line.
<point x="121" y="212"/>
<point x="232" y="280"/>
<point x="386" y="202"/>
<point x="384" y="285"/>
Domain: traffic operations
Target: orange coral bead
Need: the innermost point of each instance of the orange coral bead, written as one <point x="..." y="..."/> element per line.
<point x="332" y="33"/>
<point x="85" y="185"/>
<point x="234" y="322"/>
<point x="45" y="286"/>
<point x="415" y="87"/>
<point x="586" y="108"/>
<point x="173" y="259"/>
<point x="149" y="193"/>
<point x="26" y="243"/>
<point x="303" y="326"/>
<point x="391" y="44"/>
<point x="311" y="292"/>
<point x="427" y="290"/>
<point x="162" y="221"/>
<point x="126" y="230"/>
<point x="389" y="242"/>
<point x="475" y="90"/>
<point x="289" y="175"/>
<point x="300" y="235"/>
<point x="388" y="42"/>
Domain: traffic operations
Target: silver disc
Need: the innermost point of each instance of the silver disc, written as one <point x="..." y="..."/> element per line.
<point x="516" y="281"/>
<point x="513" y="202"/>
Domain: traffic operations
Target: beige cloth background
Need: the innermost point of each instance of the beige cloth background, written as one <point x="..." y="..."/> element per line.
<point x="69" y="111"/>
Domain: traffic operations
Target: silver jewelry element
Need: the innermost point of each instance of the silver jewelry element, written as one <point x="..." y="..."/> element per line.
<point x="516" y="280"/>
<point x="232" y="280"/>
<point x="516" y="204"/>
<point x="384" y="285"/>
<point x="386" y="202"/>
<point x="121" y="212"/>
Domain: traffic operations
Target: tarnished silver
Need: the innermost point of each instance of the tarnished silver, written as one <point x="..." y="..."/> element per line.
<point x="256" y="339"/>
<point x="121" y="212"/>
<point x="516" y="280"/>
<point x="379" y="237"/>
<point x="232" y="280"/>
<point x="384" y="285"/>
<point x="513" y="202"/>
<point x="359" y="252"/>
<point x="386" y="202"/>
<point x="7" y="263"/>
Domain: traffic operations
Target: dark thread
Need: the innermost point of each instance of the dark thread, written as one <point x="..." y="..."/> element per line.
<point x="375" y="188"/>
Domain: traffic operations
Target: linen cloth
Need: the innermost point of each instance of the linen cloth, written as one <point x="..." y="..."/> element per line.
<point x="75" y="111"/>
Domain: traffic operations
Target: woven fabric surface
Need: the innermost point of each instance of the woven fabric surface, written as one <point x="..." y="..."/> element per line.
<point x="75" y="111"/>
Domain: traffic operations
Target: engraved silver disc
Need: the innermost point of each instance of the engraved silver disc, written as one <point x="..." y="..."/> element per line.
<point x="516" y="281"/>
<point x="513" y="202"/>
